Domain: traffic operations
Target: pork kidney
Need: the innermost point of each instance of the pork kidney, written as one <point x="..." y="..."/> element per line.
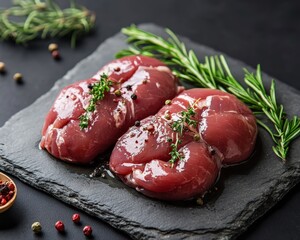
<point x="145" y="83"/>
<point x="226" y="132"/>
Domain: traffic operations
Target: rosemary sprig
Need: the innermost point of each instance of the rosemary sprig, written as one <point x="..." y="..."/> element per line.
<point x="44" y="18"/>
<point x="97" y="91"/>
<point x="179" y="126"/>
<point x="215" y="73"/>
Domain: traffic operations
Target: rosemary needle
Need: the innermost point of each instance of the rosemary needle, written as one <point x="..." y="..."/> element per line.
<point x="97" y="91"/>
<point x="31" y="19"/>
<point x="215" y="73"/>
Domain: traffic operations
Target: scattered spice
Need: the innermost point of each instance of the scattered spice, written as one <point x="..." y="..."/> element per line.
<point x="168" y="102"/>
<point x="52" y="47"/>
<point x="36" y="227"/>
<point x="167" y="116"/>
<point x="3" y="201"/>
<point x="87" y="231"/>
<point x="7" y="191"/>
<point x="150" y="128"/>
<point x="59" y="225"/>
<point x="118" y="92"/>
<point x="2" y="67"/>
<point x="196" y="137"/>
<point x="200" y="201"/>
<point x="117" y="69"/>
<point x="128" y="87"/>
<point x="55" y="54"/>
<point x="212" y="151"/>
<point x="76" y="218"/>
<point x="132" y="135"/>
<point x="133" y="96"/>
<point x="18" y="77"/>
<point x="137" y="123"/>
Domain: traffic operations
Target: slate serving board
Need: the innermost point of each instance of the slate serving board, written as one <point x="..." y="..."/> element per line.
<point x="244" y="192"/>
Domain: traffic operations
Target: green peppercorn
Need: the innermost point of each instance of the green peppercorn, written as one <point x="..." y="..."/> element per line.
<point x="168" y="102"/>
<point x="118" y="93"/>
<point x="36" y="227"/>
<point x="196" y="137"/>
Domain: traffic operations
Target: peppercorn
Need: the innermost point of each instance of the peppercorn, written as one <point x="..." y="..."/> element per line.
<point x="196" y="137"/>
<point x="87" y="231"/>
<point x="76" y="218"/>
<point x="59" y="225"/>
<point x="150" y="128"/>
<point x="2" y="67"/>
<point x="3" y="201"/>
<point x="212" y="151"/>
<point x="36" y="227"/>
<point x="118" y="93"/>
<point x="168" y="102"/>
<point x="133" y="96"/>
<point x="7" y="197"/>
<point x="11" y="186"/>
<point x="137" y="123"/>
<point x="128" y="87"/>
<point x="167" y="116"/>
<point x="55" y="54"/>
<point x="4" y="190"/>
<point x="117" y="69"/>
<point x="200" y="201"/>
<point x="52" y="47"/>
<point x="18" y="77"/>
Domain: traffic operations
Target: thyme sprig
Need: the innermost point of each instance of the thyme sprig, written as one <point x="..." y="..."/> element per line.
<point x="183" y="123"/>
<point x="215" y="73"/>
<point x="97" y="92"/>
<point x="31" y="19"/>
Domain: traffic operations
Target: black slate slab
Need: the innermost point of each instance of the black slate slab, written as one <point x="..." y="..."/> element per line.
<point x="244" y="192"/>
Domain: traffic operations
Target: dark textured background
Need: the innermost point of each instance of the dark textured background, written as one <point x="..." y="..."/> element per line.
<point x="267" y="33"/>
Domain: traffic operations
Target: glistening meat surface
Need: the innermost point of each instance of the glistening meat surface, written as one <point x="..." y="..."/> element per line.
<point x="225" y="134"/>
<point x="144" y="83"/>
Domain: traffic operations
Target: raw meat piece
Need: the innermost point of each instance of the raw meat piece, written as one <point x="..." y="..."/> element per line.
<point x="149" y="79"/>
<point x="227" y="130"/>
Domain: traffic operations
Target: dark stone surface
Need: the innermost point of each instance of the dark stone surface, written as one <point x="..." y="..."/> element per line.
<point x="245" y="192"/>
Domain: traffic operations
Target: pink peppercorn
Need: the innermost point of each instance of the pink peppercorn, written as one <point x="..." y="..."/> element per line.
<point x="76" y="218"/>
<point x="87" y="231"/>
<point x="59" y="225"/>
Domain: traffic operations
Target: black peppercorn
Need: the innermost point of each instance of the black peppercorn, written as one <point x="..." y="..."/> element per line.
<point x="133" y="96"/>
<point x="137" y="123"/>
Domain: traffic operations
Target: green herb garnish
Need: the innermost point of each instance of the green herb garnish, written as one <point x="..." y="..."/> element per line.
<point x="97" y="91"/>
<point x="43" y="18"/>
<point x="214" y="73"/>
<point x="179" y="126"/>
